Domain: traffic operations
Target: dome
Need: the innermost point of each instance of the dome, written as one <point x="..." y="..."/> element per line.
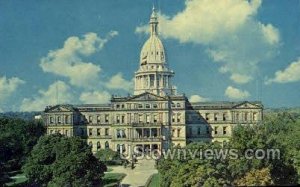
<point x="153" y="51"/>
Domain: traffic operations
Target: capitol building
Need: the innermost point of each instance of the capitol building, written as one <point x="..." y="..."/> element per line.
<point x="155" y="116"/>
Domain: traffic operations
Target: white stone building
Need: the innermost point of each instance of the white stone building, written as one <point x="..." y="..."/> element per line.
<point x="155" y="116"/>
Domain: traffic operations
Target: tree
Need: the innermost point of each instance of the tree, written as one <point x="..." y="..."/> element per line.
<point x="109" y="157"/>
<point x="17" y="138"/>
<point x="58" y="160"/>
<point x="256" y="177"/>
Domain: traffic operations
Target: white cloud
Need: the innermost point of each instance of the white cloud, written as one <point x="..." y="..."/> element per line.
<point x="235" y="93"/>
<point x="95" y="97"/>
<point x="229" y="30"/>
<point x="118" y="82"/>
<point x="48" y="97"/>
<point x="197" y="98"/>
<point x="240" y="79"/>
<point x="8" y="86"/>
<point x="289" y="74"/>
<point x="68" y="62"/>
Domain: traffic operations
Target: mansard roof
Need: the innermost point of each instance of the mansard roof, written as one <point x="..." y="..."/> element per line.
<point x="226" y="105"/>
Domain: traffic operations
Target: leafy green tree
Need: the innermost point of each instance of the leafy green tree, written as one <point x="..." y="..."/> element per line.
<point x="256" y="177"/>
<point x="58" y="160"/>
<point x="109" y="157"/>
<point x="17" y="138"/>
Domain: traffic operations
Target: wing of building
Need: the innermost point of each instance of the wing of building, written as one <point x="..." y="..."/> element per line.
<point x="155" y="117"/>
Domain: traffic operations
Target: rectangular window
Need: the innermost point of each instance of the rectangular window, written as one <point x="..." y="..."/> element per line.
<point x="123" y="119"/>
<point x="178" y="105"/>
<point x="224" y="130"/>
<point x="147" y="105"/>
<point x="173" y="118"/>
<point x="207" y="130"/>
<point x="106" y="118"/>
<point x="216" y="130"/>
<point x="66" y="132"/>
<point x="118" y="106"/>
<point x="90" y="119"/>
<point x="98" y="132"/>
<point x="178" y="117"/>
<point x="90" y="132"/>
<point x="154" y="105"/>
<point x="207" y="116"/>
<point x="98" y="119"/>
<point x="106" y="131"/>
<point x="118" y="119"/>
<point x="51" y="119"/>
<point x="58" y="119"/>
<point x="224" y="117"/>
<point x="140" y="106"/>
<point x="199" y="130"/>
<point x="216" y="117"/>
<point x="155" y="118"/>
<point x="122" y="106"/>
<point x="178" y="132"/>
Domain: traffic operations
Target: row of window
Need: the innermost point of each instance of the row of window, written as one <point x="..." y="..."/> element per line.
<point x="216" y="130"/>
<point x="106" y="144"/>
<point x="66" y="119"/>
<point x="238" y="116"/>
<point x="96" y="132"/>
<point x="147" y="106"/>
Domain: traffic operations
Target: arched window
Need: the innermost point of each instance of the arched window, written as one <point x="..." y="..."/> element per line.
<point x="98" y="146"/>
<point x="106" y="145"/>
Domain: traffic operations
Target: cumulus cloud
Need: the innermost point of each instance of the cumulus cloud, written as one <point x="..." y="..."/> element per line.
<point x="118" y="82"/>
<point x="8" y="86"/>
<point x="68" y="60"/>
<point x="289" y="74"/>
<point x="235" y="93"/>
<point x="95" y="97"/>
<point x="230" y="31"/>
<point x="48" y="97"/>
<point x="197" y="98"/>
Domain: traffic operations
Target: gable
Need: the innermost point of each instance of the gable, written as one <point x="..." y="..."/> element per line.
<point x="60" y="108"/>
<point x="147" y="97"/>
<point x="247" y="105"/>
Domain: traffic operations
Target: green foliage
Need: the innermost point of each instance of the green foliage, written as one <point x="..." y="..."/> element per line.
<point x="17" y="138"/>
<point x="57" y="160"/>
<point x="109" y="157"/>
<point x="280" y="131"/>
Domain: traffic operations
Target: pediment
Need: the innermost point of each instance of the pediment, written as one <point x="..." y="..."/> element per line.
<point x="147" y="97"/>
<point x="61" y="108"/>
<point x="247" y="105"/>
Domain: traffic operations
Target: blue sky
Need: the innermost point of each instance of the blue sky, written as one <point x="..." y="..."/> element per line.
<point x="219" y="50"/>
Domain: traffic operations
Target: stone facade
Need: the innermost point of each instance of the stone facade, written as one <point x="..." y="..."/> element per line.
<point x="155" y="117"/>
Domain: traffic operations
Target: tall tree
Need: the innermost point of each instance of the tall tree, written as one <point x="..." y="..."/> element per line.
<point x="57" y="160"/>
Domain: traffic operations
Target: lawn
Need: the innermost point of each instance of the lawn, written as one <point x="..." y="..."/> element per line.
<point x="112" y="179"/>
<point x="155" y="180"/>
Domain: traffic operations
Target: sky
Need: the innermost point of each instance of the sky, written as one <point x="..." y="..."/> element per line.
<point x="84" y="51"/>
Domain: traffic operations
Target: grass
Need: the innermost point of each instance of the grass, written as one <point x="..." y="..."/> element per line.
<point x="112" y="179"/>
<point x="155" y="180"/>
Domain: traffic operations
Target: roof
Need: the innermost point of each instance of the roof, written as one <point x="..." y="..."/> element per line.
<point x="223" y="104"/>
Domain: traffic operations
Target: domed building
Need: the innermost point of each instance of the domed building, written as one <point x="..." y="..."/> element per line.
<point x="155" y="117"/>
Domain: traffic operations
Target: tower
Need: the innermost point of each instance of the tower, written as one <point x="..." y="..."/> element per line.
<point x="154" y="75"/>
